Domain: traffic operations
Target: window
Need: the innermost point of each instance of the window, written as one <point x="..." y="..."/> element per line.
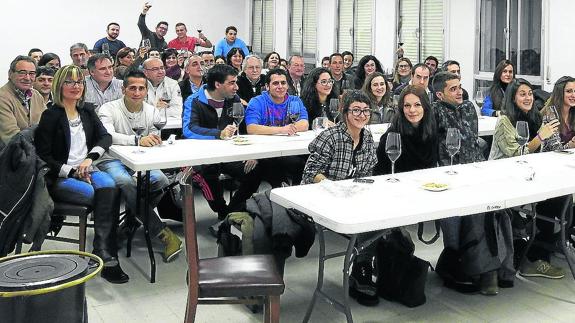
<point x="262" y="26"/>
<point x="355" y="23"/>
<point x="420" y="29"/>
<point x="509" y="29"/>
<point x="303" y="30"/>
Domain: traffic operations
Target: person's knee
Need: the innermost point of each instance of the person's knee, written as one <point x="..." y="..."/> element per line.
<point x="102" y="180"/>
<point x="158" y="180"/>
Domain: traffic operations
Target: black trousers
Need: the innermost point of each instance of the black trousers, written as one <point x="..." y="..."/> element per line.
<point x="248" y="185"/>
<point x="283" y="169"/>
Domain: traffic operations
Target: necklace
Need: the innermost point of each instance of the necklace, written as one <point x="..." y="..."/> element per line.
<point x="75" y="122"/>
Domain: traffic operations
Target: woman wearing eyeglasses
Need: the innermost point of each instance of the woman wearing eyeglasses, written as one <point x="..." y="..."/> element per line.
<point x="316" y="94"/>
<point x="69" y="138"/>
<point x="402" y="72"/>
<point x="346" y="151"/>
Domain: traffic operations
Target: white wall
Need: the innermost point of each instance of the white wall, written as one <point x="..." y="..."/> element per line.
<point x="384" y="32"/>
<point x="559" y="49"/>
<point x="281" y="27"/>
<point x="459" y="37"/>
<point x="326" y="28"/>
<point x="55" y="25"/>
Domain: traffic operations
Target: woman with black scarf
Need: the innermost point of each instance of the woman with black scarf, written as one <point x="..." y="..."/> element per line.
<point x="415" y="123"/>
<point x="518" y="106"/>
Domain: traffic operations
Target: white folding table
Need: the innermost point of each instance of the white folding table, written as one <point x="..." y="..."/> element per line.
<point x="351" y="208"/>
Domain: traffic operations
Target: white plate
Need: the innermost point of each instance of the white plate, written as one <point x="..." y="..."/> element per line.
<point x="436" y="187"/>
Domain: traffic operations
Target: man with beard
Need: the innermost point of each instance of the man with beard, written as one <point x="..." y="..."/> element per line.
<point x="114" y="44"/>
<point x="156" y="38"/>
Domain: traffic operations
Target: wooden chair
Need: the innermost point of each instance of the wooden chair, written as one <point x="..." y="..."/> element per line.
<point x="74" y="210"/>
<point x="252" y="279"/>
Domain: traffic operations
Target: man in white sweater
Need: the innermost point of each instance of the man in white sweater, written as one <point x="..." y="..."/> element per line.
<point x="119" y="118"/>
<point x="163" y="92"/>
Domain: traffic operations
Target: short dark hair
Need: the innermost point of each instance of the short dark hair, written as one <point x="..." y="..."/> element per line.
<point x="162" y="23"/>
<point x="112" y="23"/>
<point x="325" y="58"/>
<point x="33" y="50"/>
<point x="218" y="73"/>
<point x="231" y="28"/>
<point x="432" y="58"/>
<point x="334" y="55"/>
<point x="440" y="80"/>
<point x="418" y="65"/>
<point x="45" y="70"/>
<point x="206" y="52"/>
<point x="275" y="71"/>
<point x="181" y="24"/>
<point x="79" y="46"/>
<point x="352" y="96"/>
<point x="48" y="57"/>
<point x="133" y="73"/>
<point x="96" y="58"/>
<point x="346" y="52"/>
<point x="20" y="58"/>
<point x="446" y="64"/>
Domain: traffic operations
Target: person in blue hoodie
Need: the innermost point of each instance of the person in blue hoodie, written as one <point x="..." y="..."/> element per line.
<point x="206" y="116"/>
<point x="276" y="112"/>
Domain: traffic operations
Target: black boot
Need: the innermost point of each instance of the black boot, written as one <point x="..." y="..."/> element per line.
<point x="361" y="285"/>
<point x="106" y="213"/>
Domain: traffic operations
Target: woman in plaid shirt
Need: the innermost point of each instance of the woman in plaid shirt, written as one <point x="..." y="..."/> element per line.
<point x="344" y="151"/>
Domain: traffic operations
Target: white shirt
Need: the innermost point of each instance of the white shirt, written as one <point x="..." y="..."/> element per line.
<point x="172" y="90"/>
<point x="78" y="148"/>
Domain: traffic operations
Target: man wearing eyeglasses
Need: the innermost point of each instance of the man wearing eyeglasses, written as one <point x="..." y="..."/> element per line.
<point x="276" y="112"/>
<point x="251" y="81"/>
<point x="101" y="85"/>
<point x="156" y="38"/>
<point x="163" y="92"/>
<point x="20" y="105"/>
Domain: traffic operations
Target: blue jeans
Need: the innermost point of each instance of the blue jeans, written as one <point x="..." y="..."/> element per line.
<point x="122" y="175"/>
<point x="75" y="191"/>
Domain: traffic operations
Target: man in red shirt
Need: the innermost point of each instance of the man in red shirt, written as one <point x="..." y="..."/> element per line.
<point x="183" y="41"/>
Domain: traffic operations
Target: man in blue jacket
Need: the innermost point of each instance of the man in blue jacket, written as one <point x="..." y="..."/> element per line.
<point x="206" y="116"/>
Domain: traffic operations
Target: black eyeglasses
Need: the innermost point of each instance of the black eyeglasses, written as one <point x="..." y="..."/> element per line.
<point x="358" y="112"/>
<point x="326" y="82"/>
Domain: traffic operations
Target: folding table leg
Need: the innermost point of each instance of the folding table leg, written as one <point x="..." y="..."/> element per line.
<point x="320" y="271"/>
<point x="567" y="209"/>
<point x="143" y="197"/>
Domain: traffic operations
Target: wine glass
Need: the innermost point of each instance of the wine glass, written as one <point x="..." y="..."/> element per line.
<point x="106" y="49"/>
<point x="139" y="126"/>
<point x="238" y="113"/>
<point x="479" y="97"/>
<point x="552" y="113"/>
<point x="453" y="143"/>
<point x="334" y="108"/>
<point x="165" y="96"/>
<point x="393" y="151"/>
<point x="160" y="120"/>
<point x="319" y="124"/>
<point x="199" y="28"/>
<point x="522" y="129"/>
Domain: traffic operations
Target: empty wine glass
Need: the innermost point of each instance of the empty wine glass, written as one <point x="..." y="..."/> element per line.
<point x="334" y="108"/>
<point x="238" y="113"/>
<point x="479" y="96"/>
<point x="522" y="129"/>
<point x="393" y="151"/>
<point x="453" y="144"/>
<point x="139" y="126"/>
<point x="160" y="120"/>
<point x="319" y="124"/>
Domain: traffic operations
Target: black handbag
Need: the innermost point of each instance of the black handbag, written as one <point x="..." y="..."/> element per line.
<point x="401" y="275"/>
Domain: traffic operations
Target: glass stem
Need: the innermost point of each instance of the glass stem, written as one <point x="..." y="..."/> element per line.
<point x="392" y="168"/>
<point x="451" y="166"/>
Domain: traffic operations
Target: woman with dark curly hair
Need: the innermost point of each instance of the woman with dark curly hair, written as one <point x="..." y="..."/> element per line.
<point x="316" y="94"/>
<point x="367" y="65"/>
<point x="171" y="64"/>
<point x="51" y="60"/>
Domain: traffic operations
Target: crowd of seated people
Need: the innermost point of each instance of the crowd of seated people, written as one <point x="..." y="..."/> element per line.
<point x="83" y="108"/>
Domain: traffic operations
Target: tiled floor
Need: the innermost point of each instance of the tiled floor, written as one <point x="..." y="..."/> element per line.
<point x="531" y="300"/>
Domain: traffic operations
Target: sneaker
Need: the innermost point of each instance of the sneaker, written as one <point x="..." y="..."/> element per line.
<point x="361" y="285"/>
<point x="541" y="268"/>
<point x="172" y="244"/>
